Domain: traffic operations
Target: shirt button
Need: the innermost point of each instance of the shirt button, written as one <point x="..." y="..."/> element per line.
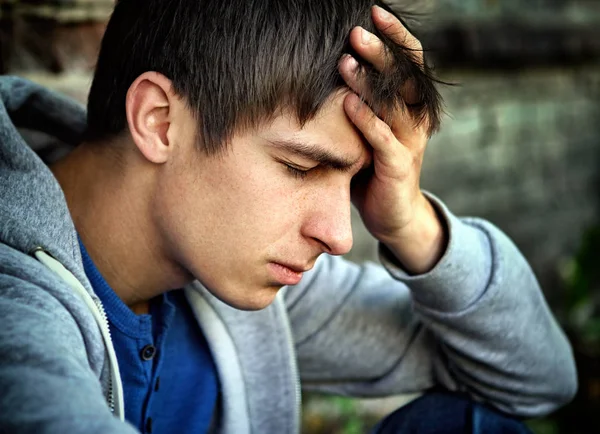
<point x="148" y="352"/>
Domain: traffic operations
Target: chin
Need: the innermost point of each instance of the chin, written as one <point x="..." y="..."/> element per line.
<point x="249" y="300"/>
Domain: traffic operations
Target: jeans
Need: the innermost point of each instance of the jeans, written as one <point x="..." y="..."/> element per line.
<point x="448" y="413"/>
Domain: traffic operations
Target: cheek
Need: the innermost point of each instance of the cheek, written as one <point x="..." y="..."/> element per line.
<point x="267" y="197"/>
<point x="254" y="201"/>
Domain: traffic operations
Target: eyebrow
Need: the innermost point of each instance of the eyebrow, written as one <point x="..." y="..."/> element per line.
<point x="316" y="153"/>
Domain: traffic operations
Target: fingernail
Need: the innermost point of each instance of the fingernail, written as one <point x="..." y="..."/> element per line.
<point x="383" y="14"/>
<point x="352" y="63"/>
<point x="365" y="36"/>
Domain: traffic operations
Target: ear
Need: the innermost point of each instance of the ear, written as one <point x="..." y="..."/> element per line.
<point x="148" y="107"/>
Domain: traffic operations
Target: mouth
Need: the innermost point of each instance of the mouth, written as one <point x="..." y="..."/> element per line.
<point x="287" y="274"/>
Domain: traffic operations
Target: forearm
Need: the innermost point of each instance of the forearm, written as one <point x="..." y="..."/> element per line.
<point x="499" y="340"/>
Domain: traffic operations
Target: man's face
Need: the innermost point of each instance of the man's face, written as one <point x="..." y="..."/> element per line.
<point x="246" y="223"/>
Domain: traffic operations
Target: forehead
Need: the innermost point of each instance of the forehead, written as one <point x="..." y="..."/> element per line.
<point x="330" y="130"/>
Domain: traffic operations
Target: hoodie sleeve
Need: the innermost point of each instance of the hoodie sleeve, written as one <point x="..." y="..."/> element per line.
<point x="477" y="323"/>
<point x="46" y="382"/>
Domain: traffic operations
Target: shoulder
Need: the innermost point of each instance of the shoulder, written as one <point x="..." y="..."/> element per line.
<point x="23" y="278"/>
<point x="33" y="298"/>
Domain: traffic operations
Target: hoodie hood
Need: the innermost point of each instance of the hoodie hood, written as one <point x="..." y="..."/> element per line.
<point x="33" y="209"/>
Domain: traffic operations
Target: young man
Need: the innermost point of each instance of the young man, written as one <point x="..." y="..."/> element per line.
<point x="165" y="272"/>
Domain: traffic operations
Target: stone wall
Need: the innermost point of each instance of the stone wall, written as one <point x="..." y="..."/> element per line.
<point x="51" y="36"/>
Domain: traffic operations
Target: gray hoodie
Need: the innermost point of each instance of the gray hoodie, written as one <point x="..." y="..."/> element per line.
<point x="477" y="322"/>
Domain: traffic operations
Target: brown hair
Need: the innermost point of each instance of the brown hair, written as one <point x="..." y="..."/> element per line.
<point x="237" y="62"/>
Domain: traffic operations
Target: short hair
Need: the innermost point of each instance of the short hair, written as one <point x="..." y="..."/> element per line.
<point x="238" y="63"/>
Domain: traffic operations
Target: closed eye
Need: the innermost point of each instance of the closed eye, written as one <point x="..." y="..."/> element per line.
<point x="296" y="172"/>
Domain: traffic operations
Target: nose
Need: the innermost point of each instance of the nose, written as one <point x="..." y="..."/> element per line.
<point x="329" y="222"/>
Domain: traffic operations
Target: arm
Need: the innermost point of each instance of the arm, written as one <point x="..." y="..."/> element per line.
<point x="468" y="313"/>
<point x="46" y="382"/>
<point x="477" y="322"/>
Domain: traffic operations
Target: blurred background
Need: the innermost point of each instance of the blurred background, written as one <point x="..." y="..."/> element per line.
<point x="520" y="146"/>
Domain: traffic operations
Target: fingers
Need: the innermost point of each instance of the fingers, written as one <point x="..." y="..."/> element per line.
<point x="377" y="133"/>
<point x="370" y="48"/>
<point x="357" y="82"/>
<point x="391" y="26"/>
<point x="398" y="118"/>
<point x="349" y="71"/>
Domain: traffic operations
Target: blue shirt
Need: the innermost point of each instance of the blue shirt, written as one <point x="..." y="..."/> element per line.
<point x="169" y="376"/>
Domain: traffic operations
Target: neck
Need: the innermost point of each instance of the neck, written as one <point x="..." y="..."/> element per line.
<point x="109" y="195"/>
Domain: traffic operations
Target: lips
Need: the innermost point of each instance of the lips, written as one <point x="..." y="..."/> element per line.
<point x="295" y="268"/>
<point x="287" y="274"/>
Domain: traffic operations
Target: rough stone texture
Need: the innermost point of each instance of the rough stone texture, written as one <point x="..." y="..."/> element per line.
<point x="470" y="8"/>
<point x="58" y="36"/>
<point x="63" y="11"/>
<point x="508" y="43"/>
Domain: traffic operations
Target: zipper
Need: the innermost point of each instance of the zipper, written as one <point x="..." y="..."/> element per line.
<point x="111" y="392"/>
<point x="115" y="388"/>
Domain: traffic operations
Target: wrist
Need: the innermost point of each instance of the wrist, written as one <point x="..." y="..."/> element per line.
<point x="420" y="244"/>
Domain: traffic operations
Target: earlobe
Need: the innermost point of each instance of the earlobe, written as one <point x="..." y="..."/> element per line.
<point x="148" y="112"/>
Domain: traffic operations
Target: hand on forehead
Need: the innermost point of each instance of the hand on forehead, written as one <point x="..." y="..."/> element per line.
<point x="389" y="71"/>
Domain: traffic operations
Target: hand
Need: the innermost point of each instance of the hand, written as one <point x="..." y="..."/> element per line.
<point x="389" y="197"/>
